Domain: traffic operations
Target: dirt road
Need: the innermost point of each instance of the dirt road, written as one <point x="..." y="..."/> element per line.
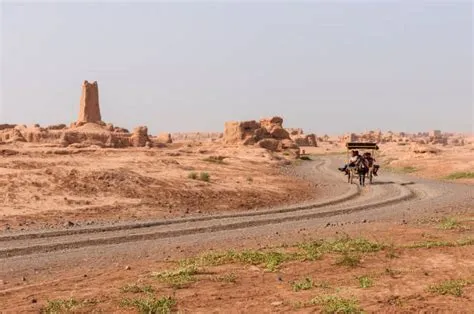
<point x="390" y="197"/>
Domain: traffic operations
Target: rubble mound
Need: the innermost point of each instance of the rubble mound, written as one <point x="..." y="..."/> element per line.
<point x="268" y="133"/>
<point x="164" y="138"/>
<point x="196" y="136"/>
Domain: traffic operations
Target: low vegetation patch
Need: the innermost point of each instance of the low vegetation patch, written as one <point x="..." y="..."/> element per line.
<point x="432" y="244"/>
<point x="460" y="175"/>
<point x="271" y="259"/>
<point x="315" y="249"/>
<point x="348" y="259"/>
<point x="305" y="284"/>
<point x="449" y="223"/>
<point x="229" y="278"/>
<point x="336" y="304"/>
<point x="65" y="305"/>
<point x="151" y="305"/>
<point x="178" y="278"/>
<point x="193" y="175"/>
<point x="203" y="176"/>
<point x="365" y="282"/>
<point x="449" y="287"/>
<point x="137" y="289"/>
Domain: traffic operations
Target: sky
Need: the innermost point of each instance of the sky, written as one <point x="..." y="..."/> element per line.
<point x="327" y="67"/>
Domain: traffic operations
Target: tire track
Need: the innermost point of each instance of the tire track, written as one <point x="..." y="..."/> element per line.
<point x="353" y="192"/>
<point x="144" y="231"/>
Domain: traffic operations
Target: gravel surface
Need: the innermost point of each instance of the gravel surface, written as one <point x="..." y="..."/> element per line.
<point x="393" y="197"/>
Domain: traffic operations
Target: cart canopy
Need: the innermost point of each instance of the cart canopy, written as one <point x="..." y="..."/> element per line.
<point x="355" y="145"/>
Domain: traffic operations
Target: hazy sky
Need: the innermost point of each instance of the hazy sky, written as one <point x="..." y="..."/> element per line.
<point x="324" y="67"/>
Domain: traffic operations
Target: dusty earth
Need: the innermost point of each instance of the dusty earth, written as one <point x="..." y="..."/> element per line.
<point x="400" y="157"/>
<point x="46" y="187"/>
<point x="412" y="256"/>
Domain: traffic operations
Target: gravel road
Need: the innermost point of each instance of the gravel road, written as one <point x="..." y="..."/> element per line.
<point x="392" y="197"/>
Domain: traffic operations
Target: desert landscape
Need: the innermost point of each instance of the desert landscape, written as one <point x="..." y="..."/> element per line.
<point x="252" y="218"/>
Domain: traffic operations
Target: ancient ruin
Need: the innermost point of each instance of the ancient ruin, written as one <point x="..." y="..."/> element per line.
<point x="435" y="137"/>
<point x="88" y="130"/>
<point x="89" y="111"/>
<point x="268" y="133"/>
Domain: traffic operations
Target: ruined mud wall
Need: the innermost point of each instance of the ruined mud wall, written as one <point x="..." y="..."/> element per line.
<point x="89" y="110"/>
<point x="196" y="136"/>
<point x="268" y="133"/>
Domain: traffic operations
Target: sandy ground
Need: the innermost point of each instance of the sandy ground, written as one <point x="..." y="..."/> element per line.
<point x="402" y="158"/>
<point x="46" y="187"/>
<point x="41" y="187"/>
<point x="400" y="275"/>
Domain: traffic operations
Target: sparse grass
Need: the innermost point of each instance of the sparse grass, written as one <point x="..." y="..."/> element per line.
<point x="151" y="305"/>
<point x="464" y="242"/>
<point x="178" y="278"/>
<point x="322" y="285"/>
<point x="336" y="304"/>
<point x="271" y="259"/>
<point x="449" y="223"/>
<point x="60" y="306"/>
<point x="305" y="284"/>
<point x="460" y="175"/>
<point x="365" y="282"/>
<point x="315" y="249"/>
<point x="204" y="176"/>
<point x="431" y="244"/>
<point x="216" y="159"/>
<point x="348" y="259"/>
<point x="65" y="305"/>
<point x="449" y="287"/>
<point x="137" y="289"/>
<point x="229" y="278"/>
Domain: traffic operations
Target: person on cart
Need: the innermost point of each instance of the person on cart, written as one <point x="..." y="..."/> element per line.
<point x="353" y="161"/>
<point x="371" y="162"/>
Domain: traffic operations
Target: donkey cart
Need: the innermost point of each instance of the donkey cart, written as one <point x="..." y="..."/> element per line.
<point x="363" y="168"/>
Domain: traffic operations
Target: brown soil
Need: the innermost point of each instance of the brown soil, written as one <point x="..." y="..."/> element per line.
<point x="45" y="187"/>
<point x="401" y="277"/>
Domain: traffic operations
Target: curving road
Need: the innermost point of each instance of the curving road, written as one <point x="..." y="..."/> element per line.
<point x="391" y="196"/>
